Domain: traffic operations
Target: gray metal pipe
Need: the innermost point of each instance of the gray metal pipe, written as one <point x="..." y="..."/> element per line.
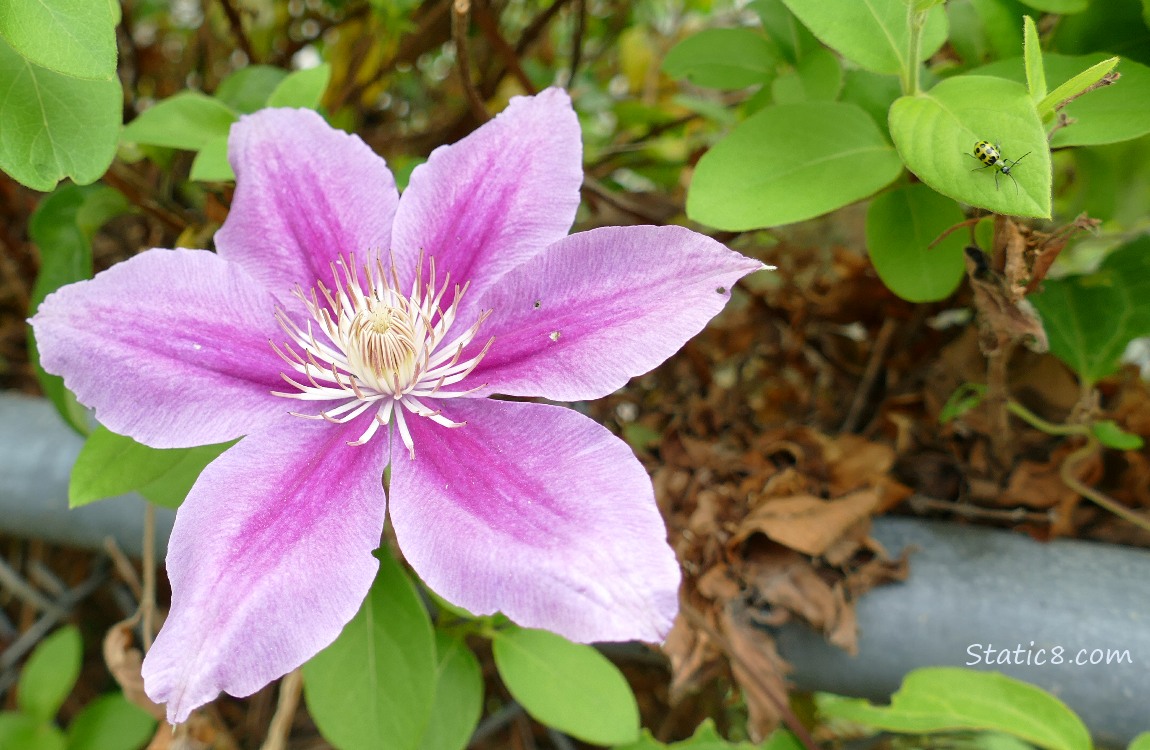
<point x="970" y="589"/>
<point x="37" y="451"/>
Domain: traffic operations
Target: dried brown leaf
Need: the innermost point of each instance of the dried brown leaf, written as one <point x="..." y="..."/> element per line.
<point x="124" y="661"/>
<point x="806" y="523"/>
<point x="758" y="669"/>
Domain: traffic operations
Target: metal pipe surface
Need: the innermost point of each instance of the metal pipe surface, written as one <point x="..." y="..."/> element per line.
<point x="973" y="589"/>
<point x="37" y="451"/>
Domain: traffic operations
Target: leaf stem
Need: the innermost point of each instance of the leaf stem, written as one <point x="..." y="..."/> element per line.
<point x="914" y="22"/>
<point x="1038" y="423"/>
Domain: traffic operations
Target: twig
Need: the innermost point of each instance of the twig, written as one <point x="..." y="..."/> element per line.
<point x="921" y="503"/>
<point x="947" y="232"/>
<point x="148" y="598"/>
<point x="577" y="39"/>
<point x="870" y="375"/>
<point x="280" y="726"/>
<point x="238" y="29"/>
<point x="598" y="189"/>
<point x="496" y="722"/>
<point x="1066" y="472"/>
<point x="55" y="612"/>
<point x="535" y="28"/>
<point x="12" y="581"/>
<point x="559" y="740"/>
<point x="490" y="28"/>
<point x="145" y="196"/>
<point x="460" y="12"/>
<point x="123" y="566"/>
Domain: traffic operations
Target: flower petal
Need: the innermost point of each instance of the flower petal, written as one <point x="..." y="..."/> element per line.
<point x="601" y="307"/>
<point x="305" y="193"/>
<point x="170" y="348"/>
<point x="540" y="512"/>
<point x="269" y="558"/>
<point x="502" y="194"/>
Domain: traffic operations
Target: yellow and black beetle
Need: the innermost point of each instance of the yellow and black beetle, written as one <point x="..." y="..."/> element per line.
<point x="991" y="156"/>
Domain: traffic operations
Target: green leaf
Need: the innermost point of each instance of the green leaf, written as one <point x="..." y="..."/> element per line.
<point x="62" y="228"/>
<point x="874" y="35"/>
<point x="871" y="91"/>
<point x="211" y="163"/>
<point x="248" y="88"/>
<point x="111" y="464"/>
<point x="1109" y="114"/>
<point x="189" y="120"/>
<point x="722" y="59"/>
<point x="966" y="397"/>
<point x="1106" y="115"/>
<point x="1063" y="7"/>
<point x="1116" y="26"/>
<point x="936" y="699"/>
<point x="182" y="467"/>
<point x="375" y="685"/>
<point x="1141" y="742"/>
<point x="900" y="225"/>
<point x="818" y="76"/>
<point x="568" y="686"/>
<point x="789" y="163"/>
<point x="1075" y="86"/>
<point x="21" y="732"/>
<point x="303" y="88"/>
<point x="74" y="37"/>
<point x="1002" y="23"/>
<point x="458" y="695"/>
<point x="935" y="133"/>
<point x="1032" y="54"/>
<point x="50" y="673"/>
<point x="1091" y="319"/>
<point x="1112" y="436"/>
<point x="792" y="39"/>
<point x="706" y="737"/>
<point x="55" y="126"/>
<point x="110" y="722"/>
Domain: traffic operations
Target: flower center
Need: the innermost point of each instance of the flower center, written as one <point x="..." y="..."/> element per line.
<point x="366" y="345"/>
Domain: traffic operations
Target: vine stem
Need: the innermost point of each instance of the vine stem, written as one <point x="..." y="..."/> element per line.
<point x="1066" y="472"/>
<point x="914" y="24"/>
<point x="1071" y="462"/>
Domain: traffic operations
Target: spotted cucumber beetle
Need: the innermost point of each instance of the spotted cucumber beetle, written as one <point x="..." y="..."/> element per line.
<point x="991" y="156"/>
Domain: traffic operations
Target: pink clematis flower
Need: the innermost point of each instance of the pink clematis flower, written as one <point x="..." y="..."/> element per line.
<point x="390" y="321"/>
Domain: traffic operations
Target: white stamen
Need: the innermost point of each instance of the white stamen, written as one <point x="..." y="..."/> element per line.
<point x="368" y="346"/>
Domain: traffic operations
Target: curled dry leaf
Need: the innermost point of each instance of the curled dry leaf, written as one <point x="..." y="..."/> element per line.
<point x="124" y="660"/>
<point x="757" y="668"/>
<point x="807" y="523"/>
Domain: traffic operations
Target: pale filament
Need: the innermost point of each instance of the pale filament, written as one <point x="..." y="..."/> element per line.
<point x="367" y="346"/>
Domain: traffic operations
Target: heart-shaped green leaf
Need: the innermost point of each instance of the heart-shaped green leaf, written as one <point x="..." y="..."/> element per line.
<point x="74" y="37"/>
<point x="55" y="126"/>
<point x="569" y="686"/>
<point x="900" y="225"/>
<point x="936" y="132"/>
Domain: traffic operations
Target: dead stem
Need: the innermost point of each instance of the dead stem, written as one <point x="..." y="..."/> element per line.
<point x="870" y="375"/>
<point x="148" y="598"/>
<point x="286" y="705"/>
<point x="1066" y="472"/>
<point x="460" y="17"/>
